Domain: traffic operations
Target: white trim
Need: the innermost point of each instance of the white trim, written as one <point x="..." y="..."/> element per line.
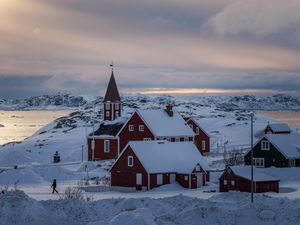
<point x="130" y="128"/>
<point x="192" y="119"/>
<point x="106" y="147"/>
<point x="265" y="145"/>
<point x="259" y="162"/>
<point x="132" y="162"/>
<point x="154" y="135"/>
<point x="141" y="128"/>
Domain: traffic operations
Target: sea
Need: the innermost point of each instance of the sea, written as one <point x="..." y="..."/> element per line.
<point x="18" y="125"/>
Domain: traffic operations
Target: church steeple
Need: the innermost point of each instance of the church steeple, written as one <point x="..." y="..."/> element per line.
<point x="112" y="100"/>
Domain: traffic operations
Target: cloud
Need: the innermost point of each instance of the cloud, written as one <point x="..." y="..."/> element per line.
<point x="259" y="18"/>
<point x="14" y="86"/>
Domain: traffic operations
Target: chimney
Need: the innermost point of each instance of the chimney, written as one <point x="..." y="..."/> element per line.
<point x="169" y="110"/>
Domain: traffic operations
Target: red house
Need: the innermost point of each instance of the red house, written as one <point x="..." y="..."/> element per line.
<point x="144" y="165"/>
<point x="155" y="124"/>
<point x="238" y="178"/>
<point x="202" y="139"/>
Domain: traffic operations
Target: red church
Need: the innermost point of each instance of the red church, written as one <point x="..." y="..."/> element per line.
<point x="115" y="132"/>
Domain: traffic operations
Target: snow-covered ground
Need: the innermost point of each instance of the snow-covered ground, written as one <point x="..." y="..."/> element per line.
<point x="28" y="166"/>
<point x="226" y="208"/>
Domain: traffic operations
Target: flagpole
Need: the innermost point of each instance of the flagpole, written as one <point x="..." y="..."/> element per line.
<point x="252" y="183"/>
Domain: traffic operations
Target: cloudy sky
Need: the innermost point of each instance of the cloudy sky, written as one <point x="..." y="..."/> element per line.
<point x="157" y="46"/>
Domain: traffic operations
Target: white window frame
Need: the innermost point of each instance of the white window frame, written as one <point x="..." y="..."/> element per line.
<point x="147" y="139"/>
<point x="106" y="146"/>
<point x="198" y="168"/>
<point x="225" y="182"/>
<point x="186" y="178"/>
<point x="117" y="114"/>
<point x="131" y="128"/>
<point x="117" y="106"/>
<point x="130" y="162"/>
<point x="197" y="130"/>
<point x="186" y="139"/>
<point x="259" y="162"/>
<point x="141" y="128"/>
<point x="203" y="145"/>
<point x="232" y="183"/>
<point x="107" y="113"/>
<point x="107" y="105"/>
<point x="177" y="139"/>
<point x="265" y="145"/>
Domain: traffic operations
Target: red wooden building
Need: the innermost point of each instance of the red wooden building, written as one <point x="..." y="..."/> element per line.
<point x="155" y="124"/>
<point x="202" y="139"/>
<point x="144" y="165"/>
<point x="238" y="178"/>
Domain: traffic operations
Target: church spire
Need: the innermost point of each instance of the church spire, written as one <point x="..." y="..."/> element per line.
<point x="112" y="101"/>
<point x="112" y="93"/>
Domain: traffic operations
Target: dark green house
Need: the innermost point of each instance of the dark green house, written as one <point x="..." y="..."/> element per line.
<point x="278" y="150"/>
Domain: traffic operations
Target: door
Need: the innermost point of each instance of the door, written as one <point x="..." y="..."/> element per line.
<point x="199" y="180"/>
<point x="138" y="179"/>
<point x="172" y="178"/>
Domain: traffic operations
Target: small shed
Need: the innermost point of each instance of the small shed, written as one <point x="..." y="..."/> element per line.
<point x="238" y="178"/>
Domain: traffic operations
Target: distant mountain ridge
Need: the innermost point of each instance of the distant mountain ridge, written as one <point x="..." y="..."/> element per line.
<point x="226" y="103"/>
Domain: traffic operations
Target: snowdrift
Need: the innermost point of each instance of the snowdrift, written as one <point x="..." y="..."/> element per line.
<point x="227" y="208"/>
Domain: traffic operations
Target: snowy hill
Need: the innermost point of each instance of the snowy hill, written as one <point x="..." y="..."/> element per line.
<point x="58" y="101"/>
<point x="221" y="102"/>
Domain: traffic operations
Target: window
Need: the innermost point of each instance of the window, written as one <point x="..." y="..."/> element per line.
<point x="197" y="130"/>
<point x="147" y="139"/>
<point x="198" y="168"/>
<point x="292" y="162"/>
<point x="203" y="145"/>
<point x="186" y="139"/>
<point x="107" y="113"/>
<point x="131" y="128"/>
<point x="265" y="145"/>
<point x="259" y="162"/>
<point x="141" y="128"/>
<point x="130" y="161"/>
<point x="106" y="145"/>
<point x="225" y="182"/>
<point x="191" y="126"/>
<point x="117" y="106"/>
<point x="159" y="179"/>
<point x="186" y="178"/>
<point x="177" y="139"/>
<point x="117" y="114"/>
<point x="232" y="183"/>
<point x="107" y="106"/>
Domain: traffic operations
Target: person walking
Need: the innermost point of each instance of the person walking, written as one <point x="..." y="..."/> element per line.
<point x="53" y="186"/>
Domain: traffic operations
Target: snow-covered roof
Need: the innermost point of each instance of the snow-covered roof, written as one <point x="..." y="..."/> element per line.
<point x="109" y="128"/>
<point x="245" y="172"/>
<point x="164" y="156"/>
<point x="279" y="127"/>
<point x="161" y="124"/>
<point x="288" y="144"/>
<point x="198" y="122"/>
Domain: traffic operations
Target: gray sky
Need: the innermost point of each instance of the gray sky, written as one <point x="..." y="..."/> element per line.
<point x="156" y="45"/>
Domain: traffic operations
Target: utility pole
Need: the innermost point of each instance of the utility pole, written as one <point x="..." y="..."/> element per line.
<point x="82" y="153"/>
<point x="252" y="183"/>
